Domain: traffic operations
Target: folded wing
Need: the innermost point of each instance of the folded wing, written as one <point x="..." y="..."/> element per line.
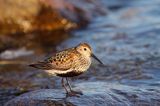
<point x="62" y="61"/>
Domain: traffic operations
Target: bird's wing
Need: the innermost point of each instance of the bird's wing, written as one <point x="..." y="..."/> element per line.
<point x="63" y="60"/>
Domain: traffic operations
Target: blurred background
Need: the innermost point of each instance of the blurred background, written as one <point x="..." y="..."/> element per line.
<point x="124" y="34"/>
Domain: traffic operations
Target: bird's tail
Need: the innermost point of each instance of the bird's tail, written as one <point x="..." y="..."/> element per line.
<point x="40" y="65"/>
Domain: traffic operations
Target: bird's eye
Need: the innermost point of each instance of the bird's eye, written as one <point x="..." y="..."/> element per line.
<point x="85" y="49"/>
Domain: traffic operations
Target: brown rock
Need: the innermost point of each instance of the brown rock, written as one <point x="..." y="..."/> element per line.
<point x="31" y="15"/>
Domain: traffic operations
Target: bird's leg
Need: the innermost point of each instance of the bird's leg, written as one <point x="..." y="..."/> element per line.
<point x="69" y="84"/>
<point x="63" y="85"/>
<point x="68" y="94"/>
<point x="77" y="92"/>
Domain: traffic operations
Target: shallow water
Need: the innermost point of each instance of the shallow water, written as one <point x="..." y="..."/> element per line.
<point x="126" y="40"/>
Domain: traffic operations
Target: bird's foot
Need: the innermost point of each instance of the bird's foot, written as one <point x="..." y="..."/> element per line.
<point x="70" y="94"/>
<point x="77" y="92"/>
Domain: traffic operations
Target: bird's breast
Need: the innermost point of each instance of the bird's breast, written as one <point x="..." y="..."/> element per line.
<point x="82" y="64"/>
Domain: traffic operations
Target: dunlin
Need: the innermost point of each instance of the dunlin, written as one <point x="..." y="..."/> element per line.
<point x="68" y="63"/>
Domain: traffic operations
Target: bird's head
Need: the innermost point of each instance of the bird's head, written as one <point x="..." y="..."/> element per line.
<point x="86" y="50"/>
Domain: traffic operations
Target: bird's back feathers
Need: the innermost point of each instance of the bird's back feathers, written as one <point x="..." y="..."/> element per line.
<point x="60" y="61"/>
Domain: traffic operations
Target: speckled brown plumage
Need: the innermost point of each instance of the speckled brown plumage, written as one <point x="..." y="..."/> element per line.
<point x="68" y="63"/>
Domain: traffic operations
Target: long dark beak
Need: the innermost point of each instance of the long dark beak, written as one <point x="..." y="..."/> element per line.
<point x="96" y="58"/>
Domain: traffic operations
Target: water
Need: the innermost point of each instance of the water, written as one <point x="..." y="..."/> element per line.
<point x="127" y="37"/>
<point x="126" y="40"/>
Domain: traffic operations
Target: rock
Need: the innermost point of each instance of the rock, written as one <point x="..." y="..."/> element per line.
<point x="8" y="94"/>
<point x="33" y="15"/>
<point x="95" y="94"/>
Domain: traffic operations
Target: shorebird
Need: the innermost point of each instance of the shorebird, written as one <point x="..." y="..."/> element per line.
<point x="68" y="63"/>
